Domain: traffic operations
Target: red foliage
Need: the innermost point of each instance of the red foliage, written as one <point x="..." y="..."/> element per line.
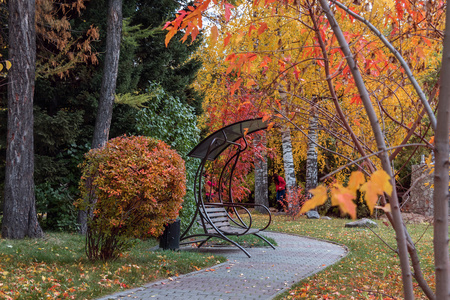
<point x="243" y="103"/>
<point x="294" y="202"/>
<point x="134" y="186"/>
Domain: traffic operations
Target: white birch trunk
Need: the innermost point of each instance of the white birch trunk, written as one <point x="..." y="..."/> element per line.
<point x="311" y="154"/>
<point x="288" y="158"/>
<point x="261" y="180"/>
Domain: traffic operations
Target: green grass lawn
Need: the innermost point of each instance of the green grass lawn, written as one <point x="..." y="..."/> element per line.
<point x="370" y="270"/>
<point x="57" y="268"/>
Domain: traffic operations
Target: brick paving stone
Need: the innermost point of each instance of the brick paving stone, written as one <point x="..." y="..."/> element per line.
<point x="267" y="273"/>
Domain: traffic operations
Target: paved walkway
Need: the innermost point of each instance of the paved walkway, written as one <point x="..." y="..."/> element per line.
<point x="267" y="273"/>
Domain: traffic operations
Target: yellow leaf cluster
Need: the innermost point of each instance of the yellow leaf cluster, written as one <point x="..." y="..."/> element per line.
<point x="8" y="65"/>
<point x="344" y="197"/>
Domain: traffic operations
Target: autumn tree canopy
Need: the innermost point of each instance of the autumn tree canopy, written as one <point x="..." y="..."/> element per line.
<point x="373" y="67"/>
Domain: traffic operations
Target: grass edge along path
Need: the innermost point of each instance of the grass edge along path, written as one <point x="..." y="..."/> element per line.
<point x="56" y="267"/>
<point x="369" y="271"/>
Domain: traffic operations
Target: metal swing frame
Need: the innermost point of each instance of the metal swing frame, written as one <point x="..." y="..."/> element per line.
<point x="223" y="219"/>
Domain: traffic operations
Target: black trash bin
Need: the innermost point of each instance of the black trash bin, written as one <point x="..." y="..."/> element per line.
<point x="170" y="240"/>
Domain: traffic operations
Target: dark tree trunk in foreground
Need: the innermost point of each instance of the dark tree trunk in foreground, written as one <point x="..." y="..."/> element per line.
<point x="108" y="88"/>
<point x="261" y="180"/>
<point x="19" y="212"/>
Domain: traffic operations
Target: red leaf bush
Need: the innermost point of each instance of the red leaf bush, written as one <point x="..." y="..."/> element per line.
<point x="131" y="187"/>
<point x="293" y="202"/>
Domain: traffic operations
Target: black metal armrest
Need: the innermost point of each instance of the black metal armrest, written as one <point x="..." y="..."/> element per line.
<point x="261" y="205"/>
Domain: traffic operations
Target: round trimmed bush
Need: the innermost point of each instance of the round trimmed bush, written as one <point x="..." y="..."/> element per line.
<point x="131" y="187"/>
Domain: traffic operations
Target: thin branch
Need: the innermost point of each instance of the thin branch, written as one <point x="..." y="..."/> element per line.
<point x="362" y="158"/>
<point x="378" y="134"/>
<point x="315" y="143"/>
<point x="381" y="239"/>
<point x="405" y="66"/>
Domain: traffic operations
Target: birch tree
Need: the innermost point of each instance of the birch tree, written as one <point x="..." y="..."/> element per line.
<point x="261" y="176"/>
<point x="311" y="154"/>
<point x="288" y="158"/>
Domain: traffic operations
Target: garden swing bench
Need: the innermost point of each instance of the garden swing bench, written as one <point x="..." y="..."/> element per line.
<point x="222" y="219"/>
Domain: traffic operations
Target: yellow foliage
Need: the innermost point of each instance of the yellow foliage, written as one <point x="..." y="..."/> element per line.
<point x="285" y="52"/>
<point x="319" y="198"/>
<point x="386" y="208"/>
<point x="355" y="181"/>
<point x="378" y="184"/>
<point x="343" y="197"/>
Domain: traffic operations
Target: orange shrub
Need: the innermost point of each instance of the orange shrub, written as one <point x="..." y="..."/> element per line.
<point x="132" y="187"/>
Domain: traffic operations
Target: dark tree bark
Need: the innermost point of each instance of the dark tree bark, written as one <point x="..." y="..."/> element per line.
<point x="19" y="212"/>
<point x="108" y="87"/>
<point x="261" y="180"/>
<point x="110" y="70"/>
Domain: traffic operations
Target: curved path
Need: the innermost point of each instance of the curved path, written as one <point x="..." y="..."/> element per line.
<point x="267" y="273"/>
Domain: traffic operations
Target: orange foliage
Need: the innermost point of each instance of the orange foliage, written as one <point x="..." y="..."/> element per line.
<point x="58" y="49"/>
<point x="138" y="184"/>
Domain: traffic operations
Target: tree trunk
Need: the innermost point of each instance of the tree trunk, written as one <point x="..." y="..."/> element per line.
<point x="311" y="153"/>
<point x="288" y="158"/>
<point x="19" y="212"/>
<point x="261" y="180"/>
<point x="418" y="275"/>
<point x="441" y="177"/>
<point x="108" y="88"/>
<point x="384" y="157"/>
<point x="110" y="70"/>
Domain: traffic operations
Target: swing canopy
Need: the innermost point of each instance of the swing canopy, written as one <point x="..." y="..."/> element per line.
<point x="218" y="141"/>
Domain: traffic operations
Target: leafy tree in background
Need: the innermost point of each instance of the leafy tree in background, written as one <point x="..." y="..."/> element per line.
<point x="363" y="69"/>
<point x="173" y="67"/>
<point x="167" y="118"/>
<point x="65" y="106"/>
